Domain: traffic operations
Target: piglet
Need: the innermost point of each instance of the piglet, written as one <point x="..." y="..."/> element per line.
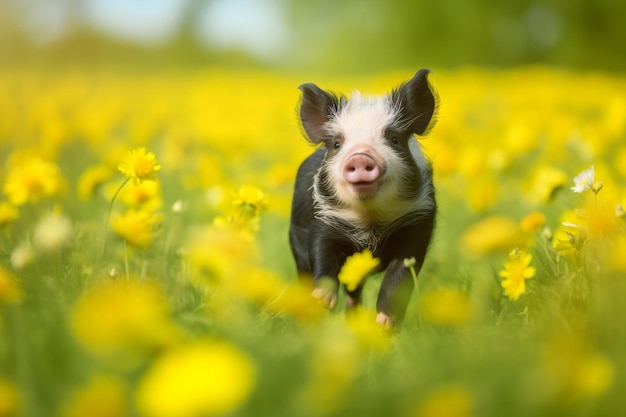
<point x="368" y="186"/>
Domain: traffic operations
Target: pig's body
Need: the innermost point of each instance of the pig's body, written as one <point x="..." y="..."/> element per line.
<point x="368" y="187"/>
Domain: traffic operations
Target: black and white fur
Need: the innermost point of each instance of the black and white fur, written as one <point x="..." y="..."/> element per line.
<point x="335" y="215"/>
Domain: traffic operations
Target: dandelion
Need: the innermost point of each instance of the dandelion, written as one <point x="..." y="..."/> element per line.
<point x="491" y="234"/>
<point x="8" y="213"/>
<point x="356" y="268"/>
<point x="296" y="301"/>
<point x="445" y="306"/>
<point x="482" y="194"/>
<point x="205" y="378"/>
<point x="30" y="180"/>
<point x="134" y="227"/>
<point x="9" y="291"/>
<point x="448" y="401"/>
<point x="585" y="181"/>
<point x="122" y="316"/>
<point x="9" y="398"/>
<point x="258" y="285"/>
<point x="251" y="197"/>
<point x="570" y="235"/>
<point x="333" y="368"/>
<point x="247" y="205"/>
<point x="573" y="370"/>
<point x="218" y="254"/>
<point x="91" y="179"/>
<point x="369" y="334"/>
<point x="516" y="271"/>
<point x="145" y="195"/>
<point x="103" y="396"/>
<point x="547" y="181"/>
<point x="139" y="165"/>
<point x="533" y="222"/>
<point x="616" y="259"/>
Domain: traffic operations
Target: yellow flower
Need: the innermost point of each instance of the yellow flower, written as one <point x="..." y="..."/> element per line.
<point x="145" y="195"/>
<point x="617" y="260"/>
<point x="103" y="396"/>
<point x="489" y="235"/>
<point x="135" y="227"/>
<point x="482" y="194"/>
<point x="532" y="222"/>
<point x="369" y="334"/>
<point x="356" y="268"/>
<point x="573" y="370"/>
<point x="9" y="291"/>
<point x="333" y="366"/>
<point x="205" y="378"/>
<point x="8" y="213"/>
<point x="31" y="179"/>
<point x="547" y="181"/>
<point x="445" y="306"/>
<point x="296" y="301"/>
<point x="218" y="254"/>
<point x="122" y="317"/>
<point x="258" y="285"/>
<point x="570" y="235"/>
<point x="244" y="214"/>
<point x="516" y="271"/>
<point x="91" y="179"/>
<point x="9" y="399"/>
<point x="446" y="401"/>
<point x="250" y="196"/>
<point x="139" y="165"/>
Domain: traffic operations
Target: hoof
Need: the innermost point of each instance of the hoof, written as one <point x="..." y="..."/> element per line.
<point x="384" y="320"/>
<point x="325" y="297"/>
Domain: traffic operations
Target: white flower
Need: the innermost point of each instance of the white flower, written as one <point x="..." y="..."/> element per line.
<point x="584" y="181"/>
<point x="53" y="231"/>
<point x="22" y="256"/>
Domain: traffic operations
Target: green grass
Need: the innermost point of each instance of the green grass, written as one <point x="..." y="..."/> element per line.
<point x="95" y="320"/>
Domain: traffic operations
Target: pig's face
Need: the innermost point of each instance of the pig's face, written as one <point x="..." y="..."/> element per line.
<point x="367" y="152"/>
<point x="373" y="162"/>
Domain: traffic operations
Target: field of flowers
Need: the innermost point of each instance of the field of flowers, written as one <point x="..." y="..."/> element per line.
<point x="145" y="269"/>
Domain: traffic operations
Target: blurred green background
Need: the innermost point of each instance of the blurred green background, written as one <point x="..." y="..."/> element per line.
<point x="321" y="35"/>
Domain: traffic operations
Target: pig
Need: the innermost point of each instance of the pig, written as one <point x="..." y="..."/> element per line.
<point x="368" y="185"/>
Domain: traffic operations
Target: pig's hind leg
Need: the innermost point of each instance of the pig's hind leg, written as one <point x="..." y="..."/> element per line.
<point x="353" y="298"/>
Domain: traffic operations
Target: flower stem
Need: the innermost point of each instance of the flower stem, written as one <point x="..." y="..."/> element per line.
<point x="126" y="269"/>
<point x="106" y="223"/>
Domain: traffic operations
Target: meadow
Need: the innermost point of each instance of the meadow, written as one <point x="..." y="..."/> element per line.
<point x="145" y="267"/>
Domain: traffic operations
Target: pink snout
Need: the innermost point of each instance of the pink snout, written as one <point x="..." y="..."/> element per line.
<point x="361" y="168"/>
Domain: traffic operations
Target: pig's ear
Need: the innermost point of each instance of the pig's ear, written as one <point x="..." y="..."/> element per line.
<point x="316" y="108"/>
<point x="418" y="103"/>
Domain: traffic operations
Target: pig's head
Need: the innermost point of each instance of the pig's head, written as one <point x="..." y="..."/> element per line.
<point x="372" y="171"/>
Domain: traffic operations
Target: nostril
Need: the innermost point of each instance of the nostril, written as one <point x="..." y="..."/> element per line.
<point x="361" y="168"/>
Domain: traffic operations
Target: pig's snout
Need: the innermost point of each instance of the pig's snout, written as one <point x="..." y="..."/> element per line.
<point x="361" y="168"/>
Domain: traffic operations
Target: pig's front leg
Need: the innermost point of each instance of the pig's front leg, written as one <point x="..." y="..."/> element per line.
<point x="328" y="255"/>
<point x="325" y="292"/>
<point x="394" y="295"/>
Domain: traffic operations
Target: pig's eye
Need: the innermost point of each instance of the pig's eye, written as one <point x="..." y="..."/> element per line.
<point x="337" y="145"/>
<point x="394" y="140"/>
